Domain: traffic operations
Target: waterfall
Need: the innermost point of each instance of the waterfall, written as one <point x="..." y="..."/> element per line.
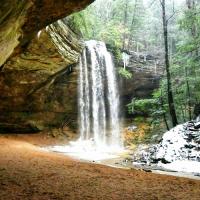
<point x="98" y="102"/>
<point x="98" y="96"/>
<point x="125" y="58"/>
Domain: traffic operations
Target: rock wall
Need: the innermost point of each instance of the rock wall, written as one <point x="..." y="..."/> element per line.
<point x="146" y="71"/>
<point x="20" y="20"/>
<point x="39" y="86"/>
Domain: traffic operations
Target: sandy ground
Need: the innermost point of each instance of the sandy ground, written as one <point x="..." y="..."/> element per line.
<point x="27" y="172"/>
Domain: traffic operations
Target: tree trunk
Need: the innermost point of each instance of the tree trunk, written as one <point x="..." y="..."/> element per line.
<point x="132" y="26"/>
<point x="167" y="66"/>
<point x="164" y="115"/>
<point x="125" y="23"/>
<point x="189" y="95"/>
<point x="192" y="6"/>
<point x="182" y="112"/>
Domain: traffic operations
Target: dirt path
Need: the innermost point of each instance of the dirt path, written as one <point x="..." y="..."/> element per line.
<point x="26" y="172"/>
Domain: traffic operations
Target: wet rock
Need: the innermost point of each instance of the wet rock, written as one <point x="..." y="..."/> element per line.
<point x="147" y="170"/>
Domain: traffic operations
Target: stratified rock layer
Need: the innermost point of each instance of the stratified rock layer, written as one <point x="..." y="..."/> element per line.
<point x="20" y="20"/>
<point x="39" y="86"/>
<point x="146" y="70"/>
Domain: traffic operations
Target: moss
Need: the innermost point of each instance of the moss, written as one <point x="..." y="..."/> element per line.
<point x="115" y="51"/>
<point x="146" y="132"/>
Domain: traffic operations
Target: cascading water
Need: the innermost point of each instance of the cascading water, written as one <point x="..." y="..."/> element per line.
<point x="99" y="98"/>
<point x="126" y="59"/>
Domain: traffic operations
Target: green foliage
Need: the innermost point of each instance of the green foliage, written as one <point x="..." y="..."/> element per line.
<point x="115" y="51"/>
<point x="113" y="22"/>
<point x="124" y="73"/>
<point x="79" y="23"/>
<point x="111" y="34"/>
<point x="142" y="105"/>
<point x="184" y="69"/>
<point x="185" y="65"/>
<point x="155" y="108"/>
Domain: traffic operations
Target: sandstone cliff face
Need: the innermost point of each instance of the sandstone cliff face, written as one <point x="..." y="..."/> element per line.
<point x="39" y="86"/>
<point x="20" y="20"/>
<point x="146" y="71"/>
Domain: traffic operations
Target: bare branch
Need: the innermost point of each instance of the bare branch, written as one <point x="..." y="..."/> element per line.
<point x="174" y="12"/>
<point x="170" y="17"/>
<point x="161" y="3"/>
<point x="151" y="4"/>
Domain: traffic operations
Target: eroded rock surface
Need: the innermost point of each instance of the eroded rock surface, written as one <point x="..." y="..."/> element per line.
<point x="20" y="20"/>
<point x="39" y="86"/>
<point x="146" y="70"/>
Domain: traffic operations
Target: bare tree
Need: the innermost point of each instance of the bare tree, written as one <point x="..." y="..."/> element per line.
<point x="125" y="22"/>
<point x="191" y="5"/>
<point x="167" y="64"/>
<point x="132" y="25"/>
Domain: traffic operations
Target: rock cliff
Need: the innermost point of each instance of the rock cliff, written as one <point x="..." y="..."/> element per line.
<point x="146" y="70"/>
<point x="20" y="20"/>
<point x="37" y="84"/>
